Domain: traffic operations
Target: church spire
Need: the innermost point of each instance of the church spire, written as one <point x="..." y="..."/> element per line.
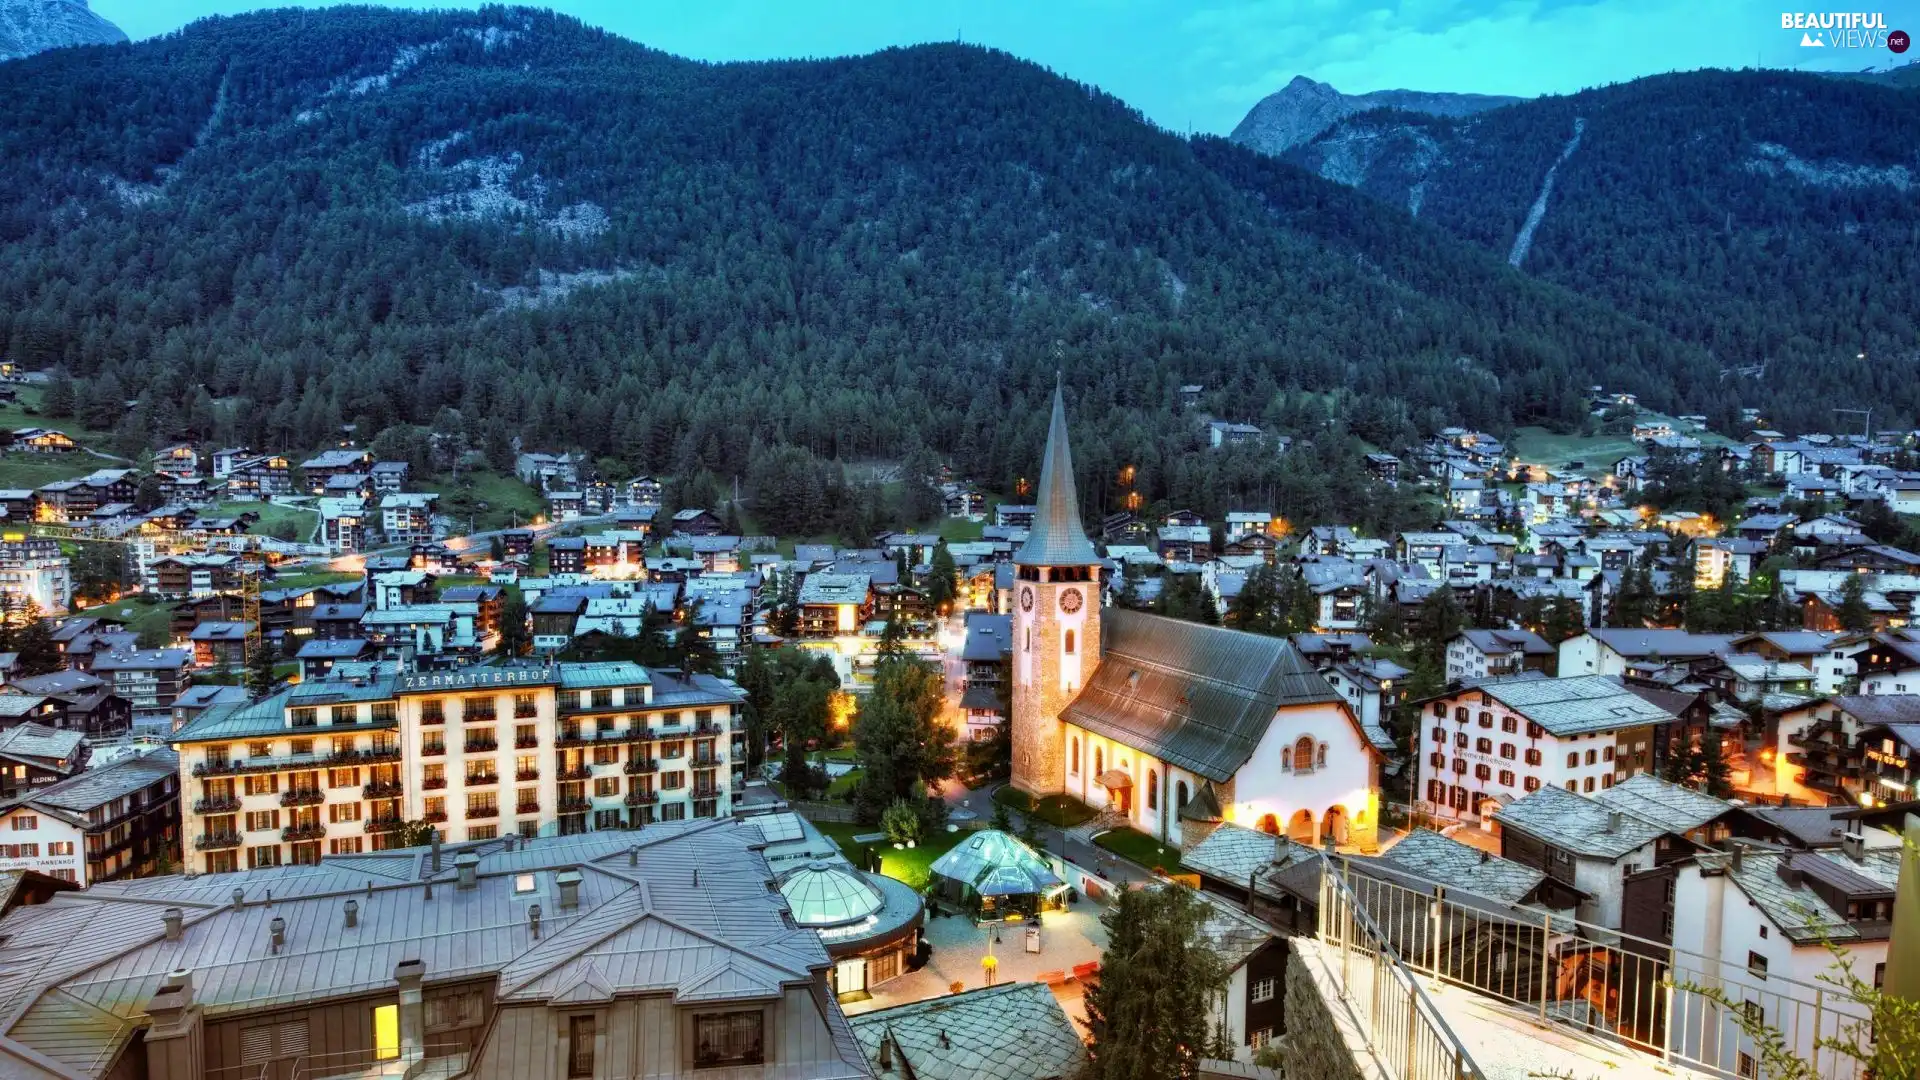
<point x="1057" y="538"/>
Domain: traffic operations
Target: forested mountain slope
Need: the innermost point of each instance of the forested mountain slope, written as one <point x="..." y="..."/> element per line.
<point x="267" y="226"/>
<point x="1770" y="217"/>
<point x="31" y="26"/>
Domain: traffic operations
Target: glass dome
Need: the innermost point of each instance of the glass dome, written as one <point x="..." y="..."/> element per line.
<point x="828" y="894"/>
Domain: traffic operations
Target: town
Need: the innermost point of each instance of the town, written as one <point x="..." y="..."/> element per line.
<point x="1621" y="746"/>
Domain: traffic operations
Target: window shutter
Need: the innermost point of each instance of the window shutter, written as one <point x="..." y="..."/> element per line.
<point x="293" y="1039"/>
<point x="256" y="1045"/>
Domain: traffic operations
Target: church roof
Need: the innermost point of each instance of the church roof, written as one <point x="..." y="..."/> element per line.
<point x="1195" y="696"/>
<point x="1057" y="537"/>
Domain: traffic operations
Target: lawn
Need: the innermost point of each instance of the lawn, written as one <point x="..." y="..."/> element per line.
<point x="143" y="615"/>
<point x="34" y="470"/>
<point x="488" y="499"/>
<point x="271" y="515"/>
<point x="1140" y="848"/>
<point x="304" y="581"/>
<point x="1596" y="453"/>
<point x="24" y="413"/>
<point x="911" y="865"/>
<point x="1060" y="811"/>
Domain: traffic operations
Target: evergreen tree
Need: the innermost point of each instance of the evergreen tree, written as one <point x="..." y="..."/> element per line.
<point x="1853" y="613"/>
<point x="1713" y="766"/>
<point x="900" y="738"/>
<point x="1256" y="608"/>
<point x="893" y="638"/>
<point x="260" y="677"/>
<point x="1563" y="620"/>
<point x="1437" y="621"/>
<point x="943" y="579"/>
<point x="515" y="633"/>
<point x="39" y="653"/>
<point x="60" y="399"/>
<point x="1159" y="979"/>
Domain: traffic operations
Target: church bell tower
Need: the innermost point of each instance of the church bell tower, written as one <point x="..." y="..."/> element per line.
<point x="1056" y="618"/>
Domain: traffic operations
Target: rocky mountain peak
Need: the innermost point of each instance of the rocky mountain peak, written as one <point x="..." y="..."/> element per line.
<point x="31" y="26"/>
<point x="1298" y="112"/>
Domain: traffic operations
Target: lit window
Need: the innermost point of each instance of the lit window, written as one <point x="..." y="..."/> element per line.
<point x="524" y="883"/>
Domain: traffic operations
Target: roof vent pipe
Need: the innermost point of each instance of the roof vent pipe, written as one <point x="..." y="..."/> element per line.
<point x="172" y="919"/>
<point x="568" y="881"/>
<point x="239" y="899"/>
<point x="467" y="866"/>
<point x="277" y="932"/>
<point x="433" y="840"/>
<point x="533" y="921"/>
<point x="353" y="914"/>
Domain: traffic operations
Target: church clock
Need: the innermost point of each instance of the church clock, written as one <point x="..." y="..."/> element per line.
<point x="1026" y="599"/>
<point x="1070" y="601"/>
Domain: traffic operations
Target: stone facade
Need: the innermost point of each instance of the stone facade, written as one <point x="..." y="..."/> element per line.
<point x="1046" y="675"/>
<point x="1315" y="1046"/>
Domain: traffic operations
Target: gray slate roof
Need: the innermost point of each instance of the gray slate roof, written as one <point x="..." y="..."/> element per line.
<point x="1576" y="705"/>
<point x="1235" y="935"/>
<point x="1016" y="1031"/>
<point x="33" y="740"/>
<point x="1658" y="802"/>
<point x="1196" y="696"/>
<point x="76" y="795"/>
<point x="1575" y="823"/>
<point x="1456" y="865"/>
<point x="1057" y="537"/>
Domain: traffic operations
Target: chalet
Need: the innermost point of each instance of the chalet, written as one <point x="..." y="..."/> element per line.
<point x="1245" y="522"/>
<point x="35" y="440"/>
<point x="1223" y="433"/>
<point x="318" y="656"/>
<point x="985" y="652"/>
<point x="150" y="679"/>
<point x="517" y="543"/>
<point x="1752" y="679"/>
<point x="489" y="601"/>
<point x="343" y="524"/>
<point x="1478" y="654"/>
<point x="320" y="469"/>
<point x="1185" y="543"/>
<point x="1592" y="846"/>
<point x="389" y="477"/>
<point x="33" y="755"/>
<point x="962" y="501"/>
<point x="1384" y="467"/>
<point x="546" y="472"/>
<point x="220" y="645"/>
<point x="693" y="521"/>
<point x="1013" y="515"/>
<point x="1766" y="528"/>
<point x="407" y="517"/>
<point x="180" y="577"/>
<point x="835" y="604"/>
<point x="195" y="700"/>
<point x="1869" y="559"/>
<point x="19" y="504"/>
<point x="260" y="478"/>
<point x="180" y="459"/>
<point x="1607" y="651"/>
<point x="566" y="505"/>
<point x="1714" y="558"/>
<point x="1259" y="544"/>
<point x="73" y="701"/>
<point x="555" y="618"/>
<point x="1824" y="754"/>
<point x="335" y="621"/>
<point x="717" y="554"/>
<point x="642" y="491"/>
<point x="120" y="819"/>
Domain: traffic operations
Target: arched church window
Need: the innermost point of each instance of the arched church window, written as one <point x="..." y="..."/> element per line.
<point x="1099" y="761"/>
<point x="1075" y="757"/>
<point x="1070" y="643"/>
<point x="1180" y="795"/>
<point x="1303" y="754"/>
<point x="1286" y="759"/>
<point x="1153" y="790"/>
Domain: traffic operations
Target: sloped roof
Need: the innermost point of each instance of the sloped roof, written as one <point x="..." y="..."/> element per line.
<point x="1057" y="537"/>
<point x="1575" y="705"/>
<point x="1575" y="823"/>
<point x="1456" y="865"/>
<point x="692" y="915"/>
<point x="1658" y="802"/>
<point x="1015" y="1031"/>
<point x="1196" y="696"/>
<point x="993" y="863"/>
<point x="33" y="740"/>
<point x="76" y="795"/>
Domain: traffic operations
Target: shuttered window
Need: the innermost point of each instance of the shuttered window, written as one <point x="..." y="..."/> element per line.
<point x="273" y="1042"/>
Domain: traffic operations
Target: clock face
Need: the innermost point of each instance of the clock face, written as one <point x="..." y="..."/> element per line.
<point x="1070" y="601"/>
<point x="1026" y="599"/>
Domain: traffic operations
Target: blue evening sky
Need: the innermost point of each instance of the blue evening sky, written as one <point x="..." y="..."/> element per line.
<point x="1201" y="64"/>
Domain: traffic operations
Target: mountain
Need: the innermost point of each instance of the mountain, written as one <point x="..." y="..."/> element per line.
<point x="1303" y="108"/>
<point x="31" y="26"/>
<point x="503" y="225"/>
<point x="1772" y="218"/>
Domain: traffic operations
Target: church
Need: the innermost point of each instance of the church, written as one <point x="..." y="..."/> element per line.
<point x="1172" y="726"/>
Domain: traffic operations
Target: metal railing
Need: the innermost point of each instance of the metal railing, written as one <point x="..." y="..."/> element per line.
<point x="1401" y="1024"/>
<point x="1631" y="992"/>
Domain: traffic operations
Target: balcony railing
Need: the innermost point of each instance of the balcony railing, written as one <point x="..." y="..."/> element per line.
<point x="483" y="811"/>
<point x="434" y="817"/>
<point x="527" y="808"/>
<point x="482" y="746"/>
<point x="482" y="779"/>
<point x="525" y="711"/>
<point x="216" y="841"/>
<point x="434" y="783"/>
<point x="577" y="772"/>
<point x="297" y="833"/>
<point x="373" y="755"/>
<point x="432" y="749"/>
<point x="575" y="805"/>
<point x="642" y="798"/>
<point x="706" y="727"/>
<point x="524" y="775"/>
<point x="708" y="761"/>
<point x="432" y="718"/>
<point x="383" y="789"/>
<point x="218" y="804"/>
<point x="303" y="797"/>
<point x="638" y="766"/>
<point x="384" y="824"/>
<point x="706" y="793"/>
<point x="526" y="742"/>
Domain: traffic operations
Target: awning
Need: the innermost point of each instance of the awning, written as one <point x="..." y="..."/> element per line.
<point x="1113" y="779"/>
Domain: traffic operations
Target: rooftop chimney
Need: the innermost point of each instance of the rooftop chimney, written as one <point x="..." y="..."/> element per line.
<point x="533" y="921"/>
<point x="239" y="899"/>
<point x="410" y="975"/>
<point x="1486" y="857"/>
<point x="353" y="914"/>
<point x="1614" y="821"/>
<point x="1854" y="846"/>
<point x="277" y="932"/>
<point x="568" y="881"/>
<point x="886" y="1052"/>
<point x="429" y="893"/>
<point x="1789" y="873"/>
<point x="1738" y="851"/>
<point x="172" y="919"/>
<point x="467" y="865"/>
<point x="433" y="839"/>
<point x="633" y="856"/>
